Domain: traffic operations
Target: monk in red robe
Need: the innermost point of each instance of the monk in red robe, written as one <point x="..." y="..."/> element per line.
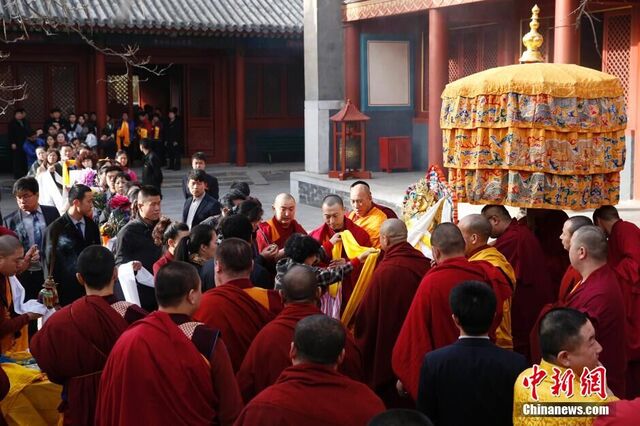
<point x="235" y="307"/>
<point x="534" y="287"/>
<point x="167" y="369"/>
<point x="600" y="297"/>
<point x="624" y="258"/>
<point x="623" y="413"/>
<point x="312" y="392"/>
<point x="571" y="277"/>
<point x="366" y="214"/>
<point x="268" y="354"/>
<point x="429" y="324"/>
<point x="278" y="229"/>
<point x="335" y="221"/>
<point x="73" y="345"/>
<point x="385" y="305"/>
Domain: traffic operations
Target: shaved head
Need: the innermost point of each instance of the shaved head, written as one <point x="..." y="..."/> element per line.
<point x="299" y="285"/>
<point x="284" y="209"/>
<point x="593" y="239"/>
<point x="284" y="197"/>
<point x="496" y="210"/>
<point x="448" y="239"/>
<point x="361" y="200"/>
<point x="332" y="200"/>
<point x="498" y="217"/>
<point x="570" y="226"/>
<point x="395" y="229"/>
<point x="8" y="245"/>
<point x="476" y="224"/>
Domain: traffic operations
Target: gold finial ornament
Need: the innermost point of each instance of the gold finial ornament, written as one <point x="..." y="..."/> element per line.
<point x="532" y="40"/>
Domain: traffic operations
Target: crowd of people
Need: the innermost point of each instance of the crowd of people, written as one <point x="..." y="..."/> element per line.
<point x="250" y="320"/>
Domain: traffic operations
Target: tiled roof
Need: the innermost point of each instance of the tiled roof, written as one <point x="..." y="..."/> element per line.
<point x="248" y="17"/>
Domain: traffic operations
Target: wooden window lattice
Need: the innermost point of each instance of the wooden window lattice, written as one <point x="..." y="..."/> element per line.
<point x="617" y="48"/>
<point x="33" y="76"/>
<point x="118" y="89"/>
<point x="63" y="87"/>
<point x="472" y="50"/>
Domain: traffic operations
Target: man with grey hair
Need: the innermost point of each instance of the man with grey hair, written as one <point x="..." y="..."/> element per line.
<point x="599" y="296"/>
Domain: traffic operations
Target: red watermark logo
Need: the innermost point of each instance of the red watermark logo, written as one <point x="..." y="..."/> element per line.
<point x="592" y="382"/>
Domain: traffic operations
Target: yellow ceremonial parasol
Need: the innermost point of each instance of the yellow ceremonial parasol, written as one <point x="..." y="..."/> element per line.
<point x="535" y="134"/>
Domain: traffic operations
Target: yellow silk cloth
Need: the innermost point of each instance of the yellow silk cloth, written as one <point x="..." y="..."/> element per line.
<point x="32" y="399"/>
<point x="260" y="295"/>
<point x="123" y="138"/>
<point x="557" y="80"/>
<point x="10" y="343"/>
<point x="504" y="338"/>
<point x="353" y="250"/>
<point x="371" y="223"/>
<point x="66" y="178"/>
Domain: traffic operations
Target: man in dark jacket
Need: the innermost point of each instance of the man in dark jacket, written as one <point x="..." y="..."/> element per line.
<point x="65" y="239"/>
<point x="152" y="167"/>
<point x="199" y="205"/>
<point x="173" y="139"/>
<point x="135" y="242"/>
<point x="17" y="132"/>
<point x="199" y="162"/>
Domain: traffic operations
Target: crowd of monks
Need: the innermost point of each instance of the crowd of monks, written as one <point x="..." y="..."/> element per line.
<point x="245" y="355"/>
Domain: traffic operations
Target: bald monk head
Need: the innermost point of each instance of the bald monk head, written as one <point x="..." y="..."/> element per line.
<point x="178" y="290"/>
<point x="361" y="199"/>
<point x="284" y="209"/>
<point x="392" y="232"/>
<point x="318" y="339"/>
<point x="447" y="242"/>
<point x="300" y="285"/>
<point x="570" y="226"/>
<point x="476" y="230"/>
<point x="234" y="260"/>
<point x="499" y="218"/>
<point x="333" y="212"/>
<point x="604" y="217"/>
<point x="588" y="250"/>
<point x="11" y="254"/>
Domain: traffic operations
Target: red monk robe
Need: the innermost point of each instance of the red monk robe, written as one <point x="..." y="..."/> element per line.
<point x="272" y="232"/>
<point x="534" y="287"/>
<point x="387" y="211"/>
<point x="324" y="233"/>
<point x="623" y="413"/>
<point x="312" y="395"/>
<point x="167" y="370"/>
<point x="600" y="297"/>
<point x="72" y="348"/>
<point x="381" y="313"/>
<point x="268" y="354"/>
<point x="233" y="309"/>
<point x="429" y="325"/>
<point x="569" y="280"/>
<point x="624" y="258"/>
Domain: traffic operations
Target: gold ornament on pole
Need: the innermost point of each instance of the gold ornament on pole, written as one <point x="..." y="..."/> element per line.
<point x="532" y="40"/>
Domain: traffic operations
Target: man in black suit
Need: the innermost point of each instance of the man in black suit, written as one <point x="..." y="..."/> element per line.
<point x="65" y="239"/>
<point x="199" y="162"/>
<point x="152" y="167"/>
<point x="29" y="222"/>
<point x="17" y="132"/>
<point x="199" y="205"/>
<point x="470" y="381"/>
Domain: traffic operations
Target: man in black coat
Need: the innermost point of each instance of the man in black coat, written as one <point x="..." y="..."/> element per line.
<point x="65" y="239"/>
<point x="17" y="132"/>
<point x="199" y="205"/>
<point x="30" y="222"/>
<point x="152" y="166"/>
<point x="199" y="162"/>
<point x="470" y="381"/>
<point x="135" y="241"/>
<point x="173" y="139"/>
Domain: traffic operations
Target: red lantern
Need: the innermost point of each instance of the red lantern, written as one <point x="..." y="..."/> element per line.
<point x="349" y="142"/>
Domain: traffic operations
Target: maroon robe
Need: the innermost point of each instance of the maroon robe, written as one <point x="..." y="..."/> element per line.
<point x="600" y="297"/>
<point x="312" y="395"/>
<point x="534" y="287"/>
<point x="381" y="313"/>
<point x="323" y="235"/>
<point x="164" y="259"/>
<point x="569" y="280"/>
<point x="387" y="211"/>
<point x="429" y="326"/>
<point x="624" y="258"/>
<point x="72" y="348"/>
<point x="237" y="315"/>
<point x="156" y="375"/>
<point x="268" y="354"/>
<point x="272" y="232"/>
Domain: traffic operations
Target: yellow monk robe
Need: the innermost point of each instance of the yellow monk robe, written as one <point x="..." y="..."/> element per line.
<point x="9" y="342"/>
<point x="123" y="137"/>
<point x="371" y="223"/>
<point x="353" y="250"/>
<point x="490" y="254"/>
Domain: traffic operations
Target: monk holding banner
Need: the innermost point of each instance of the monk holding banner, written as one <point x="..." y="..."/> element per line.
<point x="624" y="258"/>
<point x="235" y="307"/>
<point x="365" y="213"/>
<point x="73" y="345"/>
<point x="533" y="287"/>
<point x="384" y="306"/>
<point x="428" y="324"/>
<point x="167" y="369"/>
<point x="268" y="354"/>
<point x="476" y="231"/>
<point x="281" y="226"/>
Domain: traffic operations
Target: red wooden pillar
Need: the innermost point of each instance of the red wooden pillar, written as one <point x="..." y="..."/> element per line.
<point x="101" y="90"/>
<point x="566" y="39"/>
<point x="438" y="78"/>
<point x="633" y="107"/>
<point x="241" y="155"/>
<point x="352" y="62"/>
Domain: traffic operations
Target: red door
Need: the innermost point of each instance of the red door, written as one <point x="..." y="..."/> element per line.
<point x="200" y="111"/>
